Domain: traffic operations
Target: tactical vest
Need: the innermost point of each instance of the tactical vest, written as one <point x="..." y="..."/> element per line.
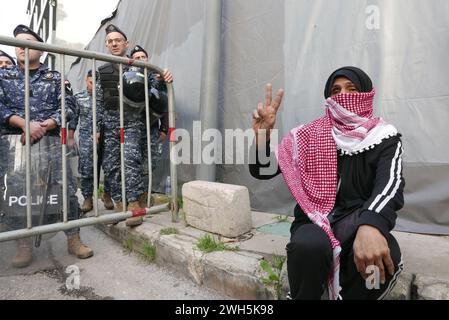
<point x="109" y="79"/>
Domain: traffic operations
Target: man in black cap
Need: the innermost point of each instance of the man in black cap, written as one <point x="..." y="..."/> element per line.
<point x="139" y="53"/>
<point x="117" y="44"/>
<point x="23" y="29"/>
<point x="116" y="41"/>
<point x="159" y="127"/>
<point x="6" y="61"/>
<point x="45" y="127"/>
<point x="345" y="172"/>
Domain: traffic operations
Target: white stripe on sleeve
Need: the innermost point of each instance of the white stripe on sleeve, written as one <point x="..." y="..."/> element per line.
<point x="392" y="178"/>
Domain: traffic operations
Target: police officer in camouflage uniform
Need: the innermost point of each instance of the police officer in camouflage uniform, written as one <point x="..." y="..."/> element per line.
<point x="159" y="127"/>
<point x="6" y="62"/>
<point x="117" y="44"/>
<point x="83" y="119"/>
<point x="45" y="113"/>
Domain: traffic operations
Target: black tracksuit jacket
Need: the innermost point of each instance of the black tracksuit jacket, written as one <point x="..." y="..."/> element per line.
<point x="370" y="182"/>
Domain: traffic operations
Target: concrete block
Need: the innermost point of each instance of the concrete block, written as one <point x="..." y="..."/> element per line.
<point x="217" y="208"/>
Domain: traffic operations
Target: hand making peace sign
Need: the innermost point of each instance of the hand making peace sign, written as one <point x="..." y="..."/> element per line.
<point x="264" y="118"/>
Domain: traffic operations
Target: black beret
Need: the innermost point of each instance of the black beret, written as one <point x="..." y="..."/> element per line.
<point x="111" y="28"/>
<point x="4" y="54"/>
<point x="89" y="74"/>
<point x="24" y="29"/>
<point x="138" y="48"/>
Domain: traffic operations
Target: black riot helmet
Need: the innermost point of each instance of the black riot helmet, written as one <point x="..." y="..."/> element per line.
<point x="134" y="94"/>
<point x="134" y="87"/>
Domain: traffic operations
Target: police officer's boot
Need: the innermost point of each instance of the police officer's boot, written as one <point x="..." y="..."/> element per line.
<point x="108" y="204"/>
<point x="143" y="199"/>
<point x="88" y="205"/>
<point x="119" y="207"/>
<point x="24" y="255"/>
<point x="76" y="247"/>
<point x="137" y="221"/>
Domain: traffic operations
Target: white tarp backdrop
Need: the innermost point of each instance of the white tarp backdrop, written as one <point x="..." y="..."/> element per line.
<point x="296" y="44"/>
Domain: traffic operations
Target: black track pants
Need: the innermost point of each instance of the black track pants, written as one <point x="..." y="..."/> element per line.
<point x="309" y="262"/>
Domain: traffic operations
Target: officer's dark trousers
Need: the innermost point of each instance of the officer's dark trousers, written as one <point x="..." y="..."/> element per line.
<point x="309" y="262"/>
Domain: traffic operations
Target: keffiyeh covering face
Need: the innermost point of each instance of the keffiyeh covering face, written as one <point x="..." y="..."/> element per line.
<point x="307" y="156"/>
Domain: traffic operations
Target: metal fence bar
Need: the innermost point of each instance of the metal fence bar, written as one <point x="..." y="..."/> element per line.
<point x="173" y="167"/>
<point x="122" y="139"/>
<point x="148" y="126"/>
<point x="105" y="219"/>
<point x="28" y="139"/>
<point x="8" y="41"/>
<point x="94" y="134"/>
<point x="64" y="142"/>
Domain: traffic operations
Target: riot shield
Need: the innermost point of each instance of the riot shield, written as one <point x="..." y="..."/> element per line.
<point x="46" y="182"/>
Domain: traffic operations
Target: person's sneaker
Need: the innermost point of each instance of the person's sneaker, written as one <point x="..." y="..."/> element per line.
<point x="107" y="200"/>
<point x="136" y="221"/>
<point x="76" y="247"/>
<point x="24" y="255"/>
<point x="88" y="205"/>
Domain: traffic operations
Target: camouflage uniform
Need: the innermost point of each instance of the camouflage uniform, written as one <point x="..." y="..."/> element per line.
<point x="45" y="95"/>
<point x="156" y="152"/>
<point x="83" y="120"/>
<point x="157" y="126"/>
<point x="133" y="135"/>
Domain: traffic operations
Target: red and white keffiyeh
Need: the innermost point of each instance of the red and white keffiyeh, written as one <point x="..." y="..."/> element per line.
<point x="307" y="157"/>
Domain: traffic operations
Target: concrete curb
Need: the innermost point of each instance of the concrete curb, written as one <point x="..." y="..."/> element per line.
<point x="236" y="274"/>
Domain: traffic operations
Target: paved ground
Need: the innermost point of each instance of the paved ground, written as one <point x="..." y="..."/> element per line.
<point x="114" y="274"/>
<point x="425" y="255"/>
<point x="110" y="274"/>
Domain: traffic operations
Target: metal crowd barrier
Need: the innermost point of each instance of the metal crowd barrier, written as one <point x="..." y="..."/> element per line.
<point x="108" y="218"/>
